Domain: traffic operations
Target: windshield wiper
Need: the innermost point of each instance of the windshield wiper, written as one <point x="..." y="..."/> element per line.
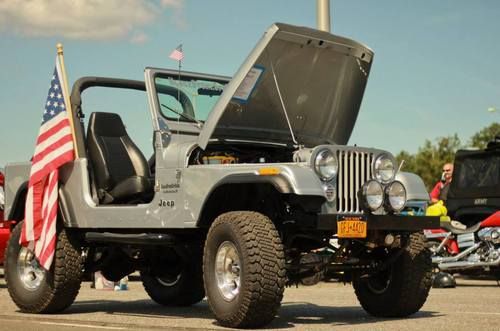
<point x="186" y="116"/>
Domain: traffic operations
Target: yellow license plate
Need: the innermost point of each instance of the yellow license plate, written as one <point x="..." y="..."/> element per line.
<point x="351" y="228"/>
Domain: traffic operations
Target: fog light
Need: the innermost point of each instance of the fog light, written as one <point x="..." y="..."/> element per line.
<point x="373" y="194"/>
<point x="396" y="196"/>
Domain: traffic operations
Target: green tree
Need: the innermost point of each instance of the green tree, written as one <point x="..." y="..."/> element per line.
<point x="481" y="139"/>
<point x="408" y="159"/>
<point x="429" y="159"/>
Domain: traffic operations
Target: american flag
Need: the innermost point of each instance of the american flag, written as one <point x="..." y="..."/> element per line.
<point x="177" y="53"/>
<point x="54" y="147"/>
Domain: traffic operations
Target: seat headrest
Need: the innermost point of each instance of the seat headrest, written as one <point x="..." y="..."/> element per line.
<point x="107" y="124"/>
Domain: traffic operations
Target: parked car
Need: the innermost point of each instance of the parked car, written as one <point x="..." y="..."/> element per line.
<point x="475" y="188"/>
<point x="5" y="226"/>
<point x="249" y="180"/>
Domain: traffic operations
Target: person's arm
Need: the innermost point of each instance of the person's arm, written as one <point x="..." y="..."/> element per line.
<point x="435" y="192"/>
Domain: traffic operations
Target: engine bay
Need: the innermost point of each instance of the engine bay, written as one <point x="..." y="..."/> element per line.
<point x="221" y="153"/>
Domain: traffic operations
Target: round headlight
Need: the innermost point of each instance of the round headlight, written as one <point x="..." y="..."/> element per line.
<point x="396" y="196"/>
<point x="326" y="165"/>
<point x="373" y="194"/>
<point x="384" y="168"/>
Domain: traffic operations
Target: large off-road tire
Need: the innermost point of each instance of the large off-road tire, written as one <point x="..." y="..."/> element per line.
<point x="183" y="287"/>
<point x="401" y="289"/>
<point x="35" y="290"/>
<point x="244" y="269"/>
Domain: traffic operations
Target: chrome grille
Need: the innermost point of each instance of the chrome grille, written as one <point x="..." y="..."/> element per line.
<point x="354" y="171"/>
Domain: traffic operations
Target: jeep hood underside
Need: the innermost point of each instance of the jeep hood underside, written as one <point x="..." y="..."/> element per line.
<point x="318" y="78"/>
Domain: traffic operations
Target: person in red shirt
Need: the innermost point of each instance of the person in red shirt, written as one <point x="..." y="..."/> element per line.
<point x="440" y="190"/>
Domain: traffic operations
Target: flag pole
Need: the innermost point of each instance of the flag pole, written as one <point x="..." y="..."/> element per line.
<point x="179" y="74"/>
<point x="67" y="100"/>
<point x="179" y="78"/>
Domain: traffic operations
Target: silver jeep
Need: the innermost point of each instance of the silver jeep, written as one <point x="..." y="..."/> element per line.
<point x="250" y="188"/>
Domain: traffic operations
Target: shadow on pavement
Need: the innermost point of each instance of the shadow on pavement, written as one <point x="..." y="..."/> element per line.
<point x="295" y="314"/>
<point x="140" y="308"/>
<point x="289" y="316"/>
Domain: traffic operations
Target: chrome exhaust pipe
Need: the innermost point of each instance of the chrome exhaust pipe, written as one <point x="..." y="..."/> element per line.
<point x="468" y="265"/>
<point x="440" y="259"/>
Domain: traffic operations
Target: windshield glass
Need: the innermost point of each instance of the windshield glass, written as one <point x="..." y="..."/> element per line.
<point x="478" y="171"/>
<point x="187" y="99"/>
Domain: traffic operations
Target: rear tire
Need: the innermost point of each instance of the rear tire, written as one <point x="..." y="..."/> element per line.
<point x="181" y="288"/>
<point x="244" y="269"/>
<point x="402" y="288"/>
<point x="36" y="290"/>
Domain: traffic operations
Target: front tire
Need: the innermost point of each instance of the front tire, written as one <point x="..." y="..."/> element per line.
<point x="244" y="269"/>
<point x="36" y="290"/>
<point x="401" y="289"/>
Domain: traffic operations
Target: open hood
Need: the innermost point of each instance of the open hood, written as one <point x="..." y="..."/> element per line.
<point x="298" y="86"/>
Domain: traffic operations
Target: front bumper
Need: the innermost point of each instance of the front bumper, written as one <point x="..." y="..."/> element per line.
<point x="382" y="222"/>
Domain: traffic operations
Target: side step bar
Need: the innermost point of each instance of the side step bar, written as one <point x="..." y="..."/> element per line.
<point x="131" y="239"/>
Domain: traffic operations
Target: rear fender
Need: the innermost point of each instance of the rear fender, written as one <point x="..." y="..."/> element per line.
<point x="15" y="188"/>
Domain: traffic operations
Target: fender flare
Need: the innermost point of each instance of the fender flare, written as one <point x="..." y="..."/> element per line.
<point x="19" y="198"/>
<point x="283" y="183"/>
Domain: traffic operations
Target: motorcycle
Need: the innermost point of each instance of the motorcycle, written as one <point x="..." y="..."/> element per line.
<point x="457" y="248"/>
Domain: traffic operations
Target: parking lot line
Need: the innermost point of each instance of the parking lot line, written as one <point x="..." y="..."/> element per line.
<point x="90" y="326"/>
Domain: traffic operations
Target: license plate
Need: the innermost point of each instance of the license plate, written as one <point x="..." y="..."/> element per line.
<point x="351" y="227"/>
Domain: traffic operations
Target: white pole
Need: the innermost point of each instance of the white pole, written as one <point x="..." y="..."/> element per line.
<point x="323" y="15"/>
<point x="67" y="101"/>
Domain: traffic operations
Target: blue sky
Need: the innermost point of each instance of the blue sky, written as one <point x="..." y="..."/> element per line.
<point x="435" y="70"/>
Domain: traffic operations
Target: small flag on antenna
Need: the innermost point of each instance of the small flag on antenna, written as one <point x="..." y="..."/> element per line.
<point x="177" y="53"/>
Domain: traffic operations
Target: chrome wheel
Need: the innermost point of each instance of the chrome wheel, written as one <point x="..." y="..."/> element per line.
<point x="30" y="273"/>
<point x="379" y="282"/>
<point x="170" y="280"/>
<point x="227" y="270"/>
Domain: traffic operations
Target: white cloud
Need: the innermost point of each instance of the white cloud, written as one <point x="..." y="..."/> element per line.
<point x="85" y="19"/>
<point x="172" y="3"/>
<point x="178" y="12"/>
<point x="139" y="38"/>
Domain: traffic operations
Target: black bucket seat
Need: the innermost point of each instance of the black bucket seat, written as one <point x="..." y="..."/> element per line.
<point x="121" y="172"/>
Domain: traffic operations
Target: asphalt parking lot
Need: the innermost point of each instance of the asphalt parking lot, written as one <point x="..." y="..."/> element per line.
<point x="473" y="305"/>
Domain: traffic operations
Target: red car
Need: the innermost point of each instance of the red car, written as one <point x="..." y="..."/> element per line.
<point x="4" y="225"/>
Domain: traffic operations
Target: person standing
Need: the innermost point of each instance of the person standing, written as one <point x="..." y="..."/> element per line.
<point x="440" y="190"/>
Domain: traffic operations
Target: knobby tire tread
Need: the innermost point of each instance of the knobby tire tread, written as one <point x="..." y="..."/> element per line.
<point x="62" y="281"/>
<point x="264" y="257"/>
<point x="415" y="280"/>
